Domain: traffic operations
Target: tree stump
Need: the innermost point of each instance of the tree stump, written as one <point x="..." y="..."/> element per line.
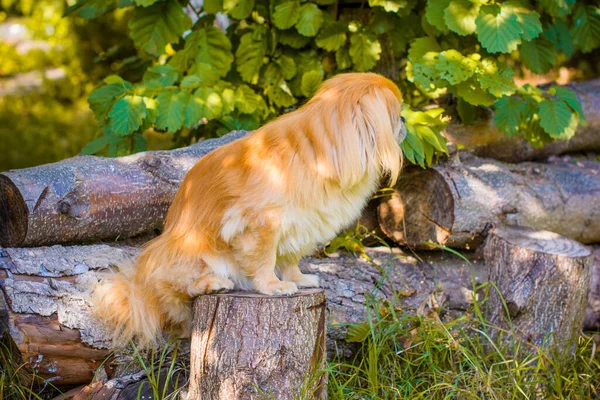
<point x="251" y="346"/>
<point x="543" y="278"/>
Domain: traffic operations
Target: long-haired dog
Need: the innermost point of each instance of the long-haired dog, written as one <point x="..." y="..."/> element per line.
<point x="248" y="211"/>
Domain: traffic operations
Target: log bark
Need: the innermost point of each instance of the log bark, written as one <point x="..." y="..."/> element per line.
<point x="455" y="203"/>
<point x="484" y="140"/>
<point x="247" y="345"/>
<point x="88" y="198"/>
<point x="543" y="279"/>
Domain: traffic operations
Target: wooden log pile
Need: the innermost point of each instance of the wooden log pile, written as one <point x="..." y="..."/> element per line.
<point x="59" y="226"/>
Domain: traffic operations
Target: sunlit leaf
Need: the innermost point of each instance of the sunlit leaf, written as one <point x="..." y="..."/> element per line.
<point x="152" y="28"/>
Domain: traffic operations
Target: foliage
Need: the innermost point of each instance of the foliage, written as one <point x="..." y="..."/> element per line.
<point x="208" y="76"/>
<point x="49" y="65"/>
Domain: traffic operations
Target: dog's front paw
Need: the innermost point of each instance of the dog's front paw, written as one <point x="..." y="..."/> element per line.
<point x="307" y="280"/>
<point x="279" y="287"/>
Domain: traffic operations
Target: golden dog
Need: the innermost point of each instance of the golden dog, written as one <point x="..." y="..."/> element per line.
<point x="247" y="212"/>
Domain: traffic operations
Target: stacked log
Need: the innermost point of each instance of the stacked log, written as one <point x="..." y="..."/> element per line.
<point x="89" y="198"/>
<point x="455" y="203"/>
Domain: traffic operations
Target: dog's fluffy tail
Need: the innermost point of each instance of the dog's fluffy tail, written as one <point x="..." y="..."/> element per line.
<point x="126" y="307"/>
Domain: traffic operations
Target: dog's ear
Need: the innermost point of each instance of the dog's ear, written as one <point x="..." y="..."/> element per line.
<point x="381" y="124"/>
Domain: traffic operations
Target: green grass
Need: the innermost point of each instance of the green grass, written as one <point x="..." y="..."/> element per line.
<point x="406" y="356"/>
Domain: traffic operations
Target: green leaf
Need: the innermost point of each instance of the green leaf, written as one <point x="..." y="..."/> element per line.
<point x="496" y="78"/>
<point x="471" y="91"/>
<point x="460" y="16"/>
<point x="333" y="36"/>
<point x="213" y="6"/>
<point x="162" y="75"/>
<point x="310" y="21"/>
<point x="434" y="12"/>
<point x="204" y="103"/>
<point x="288" y="66"/>
<point x="586" y="28"/>
<point x="412" y="137"/>
<point x="388" y="5"/>
<point x="529" y="21"/>
<point x="276" y="88"/>
<point x="557" y="8"/>
<point x="109" y="80"/>
<point x="170" y="110"/>
<point x="292" y="38"/>
<point x="87" y="9"/>
<point x="152" y="28"/>
<point x="145" y="3"/>
<point x="95" y="146"/>
<point x="421" y="68"/>
<point x="286" y="14"/>
<point x="569" y="97"/>
<point x="380" y="22"/>
<point x="238" y="9"/>
<point x="358" y="333"/>
<point x="212" y="54"/>
<point x="100" y="99"/>
<point x="191" y="81"/>
<point x="364" y="51"/>
<point x="560" y="36"/>
<point x="250" y="57"/>
<point x="498" y="29"/>
<point x="228" y="96"/>
<point x="311" y="81"/>
<point x="509" y="114"/>
<point x="127" y="115"/>
<point x="151" y="113"/>
<point x="246" y="101"/>
<point x="342" y="58"/>
<point x="556" y="119"/>
<point x="421" y="46"/>
<point x="455" y="68"/>
<point x="538" y="55"/>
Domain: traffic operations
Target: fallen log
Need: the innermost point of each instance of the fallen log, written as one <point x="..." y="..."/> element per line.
<point x="88" y="198"/>
<point x="484" y="140"/>
<point x="542" y="282"/>
<point x="455" y="203"/>
<point x="248" y="345"/>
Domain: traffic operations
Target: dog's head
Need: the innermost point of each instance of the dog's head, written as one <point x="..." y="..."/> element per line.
<point x="362" y="112"/>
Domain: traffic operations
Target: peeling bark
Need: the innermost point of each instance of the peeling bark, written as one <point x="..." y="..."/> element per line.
<point x="88" y="198"/>
<point x="484" y="140"/>
<point x="455" y="203"/>
<point x="543" y="279"/>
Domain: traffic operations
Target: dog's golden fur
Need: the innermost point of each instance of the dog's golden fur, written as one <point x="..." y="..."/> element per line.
<point x="247" y="212"/>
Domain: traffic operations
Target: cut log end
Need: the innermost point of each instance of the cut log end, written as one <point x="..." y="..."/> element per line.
<point x="246" y="345"/>
<point x="541" y="241"/>
<point x="420" y="209"/>
<point x="13" y="214"/>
